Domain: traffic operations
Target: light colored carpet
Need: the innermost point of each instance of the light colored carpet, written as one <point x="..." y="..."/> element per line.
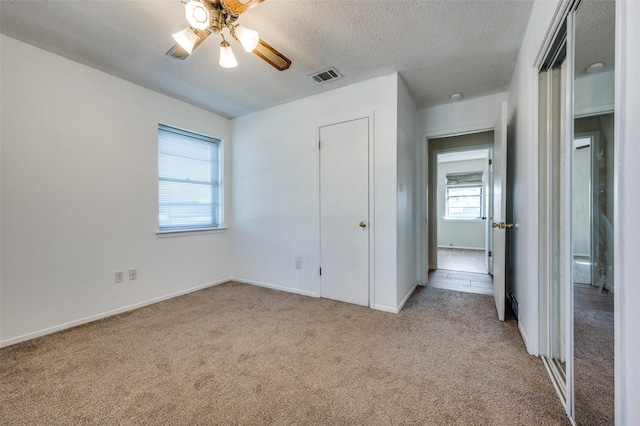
<point x="594" y="367"/>
<point x="237" y="354"/>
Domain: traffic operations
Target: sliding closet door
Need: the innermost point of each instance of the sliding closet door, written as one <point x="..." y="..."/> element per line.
<point x="555" y="80"/>
<point x="593" y="212"/>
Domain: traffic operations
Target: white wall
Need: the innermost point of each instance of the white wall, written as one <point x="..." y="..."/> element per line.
<point x="522" y="126"/>
<point x="275" y="181"/>
<point x="466" y="116"/>
<point x="627" y="228"/>
<point x="594" y="93"/>
<point x="459" y="233"/>
<point x="79" y="195"/>
<point x="407" y="193"/>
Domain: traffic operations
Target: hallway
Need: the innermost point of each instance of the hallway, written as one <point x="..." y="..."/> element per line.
<point x="461" y="270"/>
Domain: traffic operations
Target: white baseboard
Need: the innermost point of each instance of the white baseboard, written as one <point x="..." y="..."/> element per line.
<point x="60" y="327"/>
<point x="384" y="308"/>
<point x="463" y="248"/>
<point x="406" y="298"/>
<point x="396" y="309"/>
<point x="277" y="287"/>
<point x="525" y="339"/>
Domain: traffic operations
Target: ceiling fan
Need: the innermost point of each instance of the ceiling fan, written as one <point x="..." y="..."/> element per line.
<point x="212" y="16"/>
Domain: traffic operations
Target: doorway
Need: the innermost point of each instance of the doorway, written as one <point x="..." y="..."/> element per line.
<point x="462" y="210"/>
<point x="459" y="203"/>
<point x="344" y="211"/>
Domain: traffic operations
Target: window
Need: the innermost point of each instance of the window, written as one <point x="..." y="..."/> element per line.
<point x="188" y="180"/>
<point x="464" y="202"/>
<point x="464" y="195"/>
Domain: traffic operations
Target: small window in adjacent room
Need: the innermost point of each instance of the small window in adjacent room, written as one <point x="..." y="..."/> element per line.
<point x="188" y="180"/>
<point x="464" y="195"/>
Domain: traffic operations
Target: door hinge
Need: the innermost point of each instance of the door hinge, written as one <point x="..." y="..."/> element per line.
<point x="319" y="144"/>
<point x="490" y="161"/>
<point x="320" y="271"/>
<point x="490" y="254"/>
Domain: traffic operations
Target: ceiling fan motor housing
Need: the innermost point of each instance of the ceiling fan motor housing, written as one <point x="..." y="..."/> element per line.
<point x="208" y="15"/>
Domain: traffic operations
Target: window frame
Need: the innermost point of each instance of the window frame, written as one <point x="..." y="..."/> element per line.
<point x="216" y="183"/>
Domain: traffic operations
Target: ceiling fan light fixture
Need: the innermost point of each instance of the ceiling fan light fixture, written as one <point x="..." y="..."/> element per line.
<point x="248" y="38"/>
<point x="227" y="58"/>
<point x="240" y="6"/>
<point x="197" y="15"/>
<point x="208" y="17"/>
<point x="186" y="38"/>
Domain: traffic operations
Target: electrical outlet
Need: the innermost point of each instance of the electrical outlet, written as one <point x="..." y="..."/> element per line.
<point x="133" y="274"/>
<point x="298" y="263"/>
<point x="119" y="277"/>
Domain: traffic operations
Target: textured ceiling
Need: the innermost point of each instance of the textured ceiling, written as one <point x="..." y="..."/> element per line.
<point x="595" y="35"/>
<point x="438" y="47"/>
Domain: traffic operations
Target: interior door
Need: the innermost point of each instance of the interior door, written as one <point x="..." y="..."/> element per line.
<point x="500" y="210"/>
<point x="344" y="211"/>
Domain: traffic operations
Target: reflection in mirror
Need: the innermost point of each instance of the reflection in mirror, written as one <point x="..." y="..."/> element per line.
<point x="592" y="206"/>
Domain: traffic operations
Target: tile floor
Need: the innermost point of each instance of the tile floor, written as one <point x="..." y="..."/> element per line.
<point x="461" y="270"/>
<point x="468" y="282"/>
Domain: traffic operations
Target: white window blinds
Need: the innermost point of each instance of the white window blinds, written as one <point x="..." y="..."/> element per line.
<point x="188" y="179"/>
<point x="464" y="178"/>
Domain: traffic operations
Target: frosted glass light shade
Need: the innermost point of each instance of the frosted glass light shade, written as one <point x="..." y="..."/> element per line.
<point x="186" y="38"/>
<point x="248" y="38"/>
<point x="227" y="59"/>
<point x="197" y="15"/>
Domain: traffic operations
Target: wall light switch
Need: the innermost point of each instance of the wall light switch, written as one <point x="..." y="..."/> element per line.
<point x="119" y="277"/>
<point x="298" y="263"/>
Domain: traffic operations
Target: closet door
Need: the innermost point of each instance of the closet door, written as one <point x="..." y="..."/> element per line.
<point x="344" y="211"/>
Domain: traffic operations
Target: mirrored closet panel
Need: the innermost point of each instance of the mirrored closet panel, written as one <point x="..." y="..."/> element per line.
<point x="592" y="212"/>
<point x="576" y="210"/>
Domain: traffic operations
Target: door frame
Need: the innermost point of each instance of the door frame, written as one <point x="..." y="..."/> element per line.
<point x="428" y="154"/>
<point x="337" y="119"/>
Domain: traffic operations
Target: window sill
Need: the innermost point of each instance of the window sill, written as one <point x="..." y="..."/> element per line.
<point x="458" y="219"/>
<point x="189" y="232"/>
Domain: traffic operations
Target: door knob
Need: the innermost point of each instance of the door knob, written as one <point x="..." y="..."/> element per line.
<point x="363" y="224"/>
<point x="495" y="225"/>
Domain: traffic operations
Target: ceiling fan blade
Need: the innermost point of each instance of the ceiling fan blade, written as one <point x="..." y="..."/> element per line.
<point x="179" y="52"/>
<point x="272" y="56"/>
<point x="240" y="6"/>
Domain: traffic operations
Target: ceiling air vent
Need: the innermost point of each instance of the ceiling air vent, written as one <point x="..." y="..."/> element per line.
<point x="326" y="75"/>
